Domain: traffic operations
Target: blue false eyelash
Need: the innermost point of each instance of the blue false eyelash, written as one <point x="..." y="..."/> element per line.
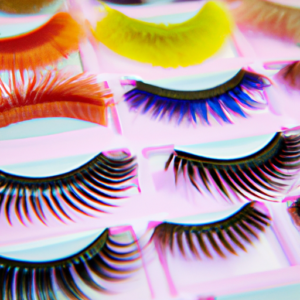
<point x="230" y="98"/>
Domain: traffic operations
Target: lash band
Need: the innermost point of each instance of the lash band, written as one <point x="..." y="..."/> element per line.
<point x="218" y="225"/>
<point x="92" y="249"/>
<point x="193" y="95"/>
<point x="60" y="178"/>
<point x="255" y="159"/>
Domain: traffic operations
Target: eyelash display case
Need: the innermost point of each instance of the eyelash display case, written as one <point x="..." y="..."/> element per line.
<point x="48" y="147"/>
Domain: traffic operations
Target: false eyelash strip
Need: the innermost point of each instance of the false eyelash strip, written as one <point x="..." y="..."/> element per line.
<point x="167" y="46"/>
<point x="53" y="94"/>
<point x="105" y="260"/>
<point x="294" y="212"/>
<point x="290" y="75"/>
<point x="259" y="175"/>
<point x="270" y="18"/>
<point x="18" y="7"/>
<point x="49" y="43"/>
<point x="230" y="98"/>
<point x="227" y="234"/>
<point x="84" y="190"/>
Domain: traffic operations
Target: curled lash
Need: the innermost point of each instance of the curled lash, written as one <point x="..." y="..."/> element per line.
<point x="259" y="175"/>
<point x="105" y="259"/>
<point x="230" y="233"/>
<point x="53" y="94"/>
<point x="46" y="45"/>
<point x="88" y="187"/>
<point x="228" y="98"/>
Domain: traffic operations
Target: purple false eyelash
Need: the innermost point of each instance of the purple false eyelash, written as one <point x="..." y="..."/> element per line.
<point x="224" y="236"/>
<point x="260" y="176"/>
<point x="106" y="259"/>
<point x="233" y="97"/>
<point x="87" y="189"/>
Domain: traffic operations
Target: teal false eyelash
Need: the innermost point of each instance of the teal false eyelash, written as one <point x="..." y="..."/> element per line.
<point x="230" y="233"/>
<point x="260" y="175"/>
<point x="84" y="190"/>
<point x="106" y="259"/>
<point x="230" y="98"/>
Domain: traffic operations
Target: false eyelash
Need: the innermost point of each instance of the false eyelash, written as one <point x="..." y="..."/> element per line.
<point x="53" y="94"/>
<point x="87" y="188"/>
<point x="229" y="233"/>
<point x="168" y="46"/>
<point x="105" y="259"/>
<point x="271" y="18"/>
<point x="290" y="75"/>
<point x="228" y="98"/>
<point x="18" y="7"/>
<point x="43" y="46"/>
<point x="259" y="175"/>
<point x="294" y="212"/>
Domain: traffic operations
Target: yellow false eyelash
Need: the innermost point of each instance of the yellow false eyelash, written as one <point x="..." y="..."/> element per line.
<point x="169" y="46"/>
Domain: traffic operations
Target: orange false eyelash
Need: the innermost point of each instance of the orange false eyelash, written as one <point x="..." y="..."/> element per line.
<point x="43" y="46"/>
<point x="53" y="95"/>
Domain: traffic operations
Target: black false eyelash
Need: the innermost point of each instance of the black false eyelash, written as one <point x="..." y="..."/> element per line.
<point x="232" y="97"/>
<point x="87" y="188"/>
<point x="259" y="175"/>
<point x="105" y="259"/>
<point x="230" y="233"/>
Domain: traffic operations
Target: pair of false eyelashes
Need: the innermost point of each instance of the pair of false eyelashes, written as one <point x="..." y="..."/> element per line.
<point x="161" y="45"/>
<point x="90" y="188"/>
<point x="110" y="260"/>
<point x="61" y="35"/>
<point x="54" y="94"/>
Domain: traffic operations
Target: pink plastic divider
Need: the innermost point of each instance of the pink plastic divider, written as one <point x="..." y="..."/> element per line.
<point x="247" y="283"/>
<point x="118" y="230"/>
<point x="163" y="261"/>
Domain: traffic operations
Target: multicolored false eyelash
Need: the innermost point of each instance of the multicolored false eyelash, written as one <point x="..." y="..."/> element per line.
<point x="232" y="97"/>
<point x="169" y="46"/>
<point x="259" y="175"/>
<point x="85" y="190"/>
<point x="53" y="94"/>
<point x="229" y="233"/>
<point x="43" y="46"/>
<point x="105" y="260"/>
